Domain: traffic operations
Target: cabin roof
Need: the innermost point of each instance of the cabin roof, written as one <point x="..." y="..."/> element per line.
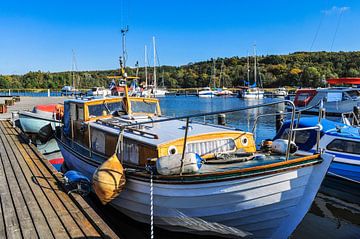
<point x="83" y="100"/>
<point x="166" y="131"/>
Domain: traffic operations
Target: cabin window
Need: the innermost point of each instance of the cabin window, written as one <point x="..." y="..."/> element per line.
<point x="104" y="109"/>
<point x="303" y="96"/>
<point x="333" y="96"/>
<point x="301" y="137"/>
<point x="98" y="141"/>
<point x="354" y="94"/>
<point x="144" y="106"/>
<point x="80" y="112"/>
<point x="346" y="146"/>
<point x="73" y="114"/>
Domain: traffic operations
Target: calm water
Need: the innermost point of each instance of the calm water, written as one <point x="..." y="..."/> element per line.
<point x="335" y="212"/>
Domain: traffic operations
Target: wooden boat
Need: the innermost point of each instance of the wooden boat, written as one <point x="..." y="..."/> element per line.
<point x="237" y="190"/>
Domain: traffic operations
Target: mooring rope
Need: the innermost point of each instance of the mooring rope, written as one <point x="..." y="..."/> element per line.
<point x="151" y="206"/>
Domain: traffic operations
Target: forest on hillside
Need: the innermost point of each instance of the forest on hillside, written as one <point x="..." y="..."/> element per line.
<point x="295" y="69"/>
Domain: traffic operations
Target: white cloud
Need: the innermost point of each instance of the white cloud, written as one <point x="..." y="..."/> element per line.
<point x="336" y="10"/>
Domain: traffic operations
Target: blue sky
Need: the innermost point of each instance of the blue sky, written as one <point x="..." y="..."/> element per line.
<point x="40" y="35"/>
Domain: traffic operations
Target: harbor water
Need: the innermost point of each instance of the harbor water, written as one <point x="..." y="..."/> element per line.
<point x="335" y="213"/>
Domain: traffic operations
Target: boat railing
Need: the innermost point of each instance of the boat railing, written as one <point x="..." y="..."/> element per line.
<point x="350" y="118"/>
<point x="281" y="113"/>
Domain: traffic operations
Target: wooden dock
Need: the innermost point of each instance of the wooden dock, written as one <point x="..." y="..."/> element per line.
<point x="33" y="203"/>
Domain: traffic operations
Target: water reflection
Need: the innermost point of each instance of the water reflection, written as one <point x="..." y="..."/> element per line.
<point x="244" y="120"/>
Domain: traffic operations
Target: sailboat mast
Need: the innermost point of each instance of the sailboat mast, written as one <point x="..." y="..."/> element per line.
<point x="146" y="74"/>
<point x="221" y="73"/>
<point x="214" y="73"/>
<point x="254" y="63"/>
<point x="155" y="83"/>
<point x="248" y="68"/>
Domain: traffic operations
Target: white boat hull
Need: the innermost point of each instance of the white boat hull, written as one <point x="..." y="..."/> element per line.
<point x="269" y="206"/>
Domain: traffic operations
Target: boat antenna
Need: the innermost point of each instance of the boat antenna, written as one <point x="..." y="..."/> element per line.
<point x="155" y="83"/>
<point x="146" y="63"/>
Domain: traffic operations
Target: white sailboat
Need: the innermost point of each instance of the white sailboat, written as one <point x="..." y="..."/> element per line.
<point x="222" y="91"/>
<point x="253" y="92"/>
<point x="207" y="91"/>
<point x="153" y="90"/>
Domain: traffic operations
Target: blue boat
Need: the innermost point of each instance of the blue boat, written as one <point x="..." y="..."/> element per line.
<point x="338" y="139"/>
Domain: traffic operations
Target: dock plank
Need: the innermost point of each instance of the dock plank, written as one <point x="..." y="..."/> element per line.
<point x="12" y="226"/>
<point x="70" y="225"/>
<point x="33" y="203"/>
<point x="45" y="219"/>
<point x="68" y="204"/>
<point x="37" y="219"/>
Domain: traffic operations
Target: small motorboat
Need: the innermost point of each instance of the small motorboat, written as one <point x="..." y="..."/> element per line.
<point x="280" y="92"/>
<point x="336" y="100"/>
<point x="98" y="91"/>
<point x="206" y="92"/>
<point x="338" y="139"/>
<point x="42" y="115"/>
<point x="70" y="91"/>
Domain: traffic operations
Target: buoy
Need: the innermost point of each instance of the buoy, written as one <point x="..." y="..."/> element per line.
<point x="109" y="180"/>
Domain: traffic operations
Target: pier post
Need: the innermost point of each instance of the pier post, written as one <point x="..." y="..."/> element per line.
<point x="221" y="119"/>
<point x="279" y="120"/>
<point x="48" y="92"/>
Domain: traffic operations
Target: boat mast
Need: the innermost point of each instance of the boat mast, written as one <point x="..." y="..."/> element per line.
<point x="248" y="68"/>
<point x="214" y="73"/>
<point x="155" y="83"/>
<point x="73" y="69"/>
<point x="255" y="63"/>
<point x="124" y="54"/>
<point x="146" y="74"/>
<point x="221" y="72"/>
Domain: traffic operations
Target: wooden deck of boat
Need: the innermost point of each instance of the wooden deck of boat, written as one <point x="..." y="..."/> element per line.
<point x="32" y="202"/>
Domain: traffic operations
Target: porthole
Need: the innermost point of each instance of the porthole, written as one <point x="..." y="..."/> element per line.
<point x="172" y="150"/>
<point x="244" y="140"/>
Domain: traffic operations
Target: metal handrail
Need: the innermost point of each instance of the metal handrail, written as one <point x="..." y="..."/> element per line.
<point x="282" y="113"/>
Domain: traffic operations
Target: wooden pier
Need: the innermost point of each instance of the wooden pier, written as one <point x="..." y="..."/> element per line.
<point x="33" y="203"/>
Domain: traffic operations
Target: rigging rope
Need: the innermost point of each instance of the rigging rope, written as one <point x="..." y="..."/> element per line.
<point x="336" y="29"/>
<point x="151" y="206"/>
